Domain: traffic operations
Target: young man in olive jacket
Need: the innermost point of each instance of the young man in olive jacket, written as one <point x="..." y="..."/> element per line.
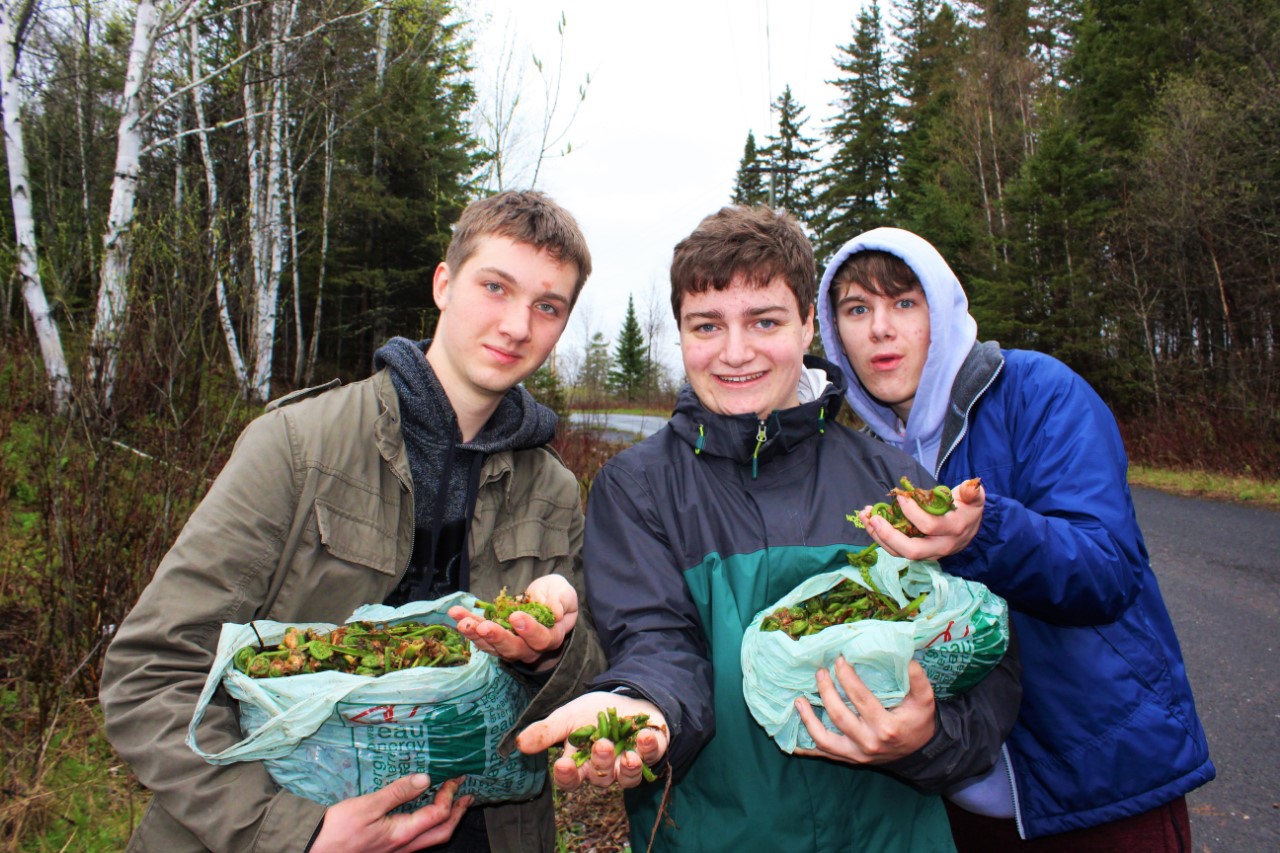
<point x="426" y="478"/>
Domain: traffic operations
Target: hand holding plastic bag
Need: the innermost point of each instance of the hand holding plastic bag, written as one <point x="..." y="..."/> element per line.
<point x="960" y="634"/>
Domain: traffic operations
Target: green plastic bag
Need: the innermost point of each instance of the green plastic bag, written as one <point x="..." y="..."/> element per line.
<point x="329" y="736"/>
<point x="960" y="635"/>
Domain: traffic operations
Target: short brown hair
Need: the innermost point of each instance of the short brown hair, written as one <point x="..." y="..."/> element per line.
<point x="525" y="216"/>
<point x="881" y="273"/>
<point x="757" y="243"/>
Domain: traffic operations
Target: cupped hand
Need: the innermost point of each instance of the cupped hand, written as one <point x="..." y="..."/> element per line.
<point x="528" y="642"/>
<point x="605" y="767"/>
<point x="940" y="535"/>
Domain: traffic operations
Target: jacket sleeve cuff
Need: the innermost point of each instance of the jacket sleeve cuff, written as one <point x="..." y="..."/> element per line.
<point x="291" y="823"/>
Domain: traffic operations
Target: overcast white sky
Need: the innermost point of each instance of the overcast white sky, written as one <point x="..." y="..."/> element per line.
<point x="675" y="86"/>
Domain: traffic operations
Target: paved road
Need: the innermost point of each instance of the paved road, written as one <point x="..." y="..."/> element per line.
<point x="1218" y="566"/>
<point x="615" y="427"/>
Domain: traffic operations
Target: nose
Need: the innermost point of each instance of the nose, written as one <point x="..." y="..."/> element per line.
<point x="881" y="327"/>
<point x="515" y="322"/>
<point x="737" y="348"/>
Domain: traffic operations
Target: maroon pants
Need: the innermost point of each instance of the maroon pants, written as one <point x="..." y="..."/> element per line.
<point x="1166" y="829"/>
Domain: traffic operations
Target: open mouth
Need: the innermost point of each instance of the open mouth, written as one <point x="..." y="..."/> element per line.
<point x="886" y="362"/>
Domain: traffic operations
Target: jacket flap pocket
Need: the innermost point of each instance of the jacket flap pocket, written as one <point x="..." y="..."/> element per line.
<point x="356" y="540"/>
<point x="531" y="537"/>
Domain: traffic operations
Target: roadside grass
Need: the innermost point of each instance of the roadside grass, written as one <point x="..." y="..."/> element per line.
<point x="1207" y="484"/>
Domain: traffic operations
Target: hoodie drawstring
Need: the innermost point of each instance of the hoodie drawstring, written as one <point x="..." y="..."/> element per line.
<point x="702" y="439"/>
<point x="822" y="420"/>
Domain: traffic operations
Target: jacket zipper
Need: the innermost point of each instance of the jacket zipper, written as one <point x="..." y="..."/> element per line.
<point x="1013" y="790"/>
<point x="761" y="435"/>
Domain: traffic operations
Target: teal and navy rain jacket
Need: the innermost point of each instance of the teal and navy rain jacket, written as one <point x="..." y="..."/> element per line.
<point x="691" y="533"/>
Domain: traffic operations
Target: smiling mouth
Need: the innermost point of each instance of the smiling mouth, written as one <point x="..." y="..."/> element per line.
<point x="739" y="380"/>
<point x="503" y="355"/>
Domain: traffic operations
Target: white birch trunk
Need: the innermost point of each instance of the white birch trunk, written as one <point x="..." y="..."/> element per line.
<point x="268" y="293"/>
<point x="215" y="220"/>
<point x="313" y="349"/>
<point x="379" y="74"/>
<point x="300" y="341"/>
<point x="113" y="298"/>
<point x="55" y="360"/>
<point x="256" y="205"/>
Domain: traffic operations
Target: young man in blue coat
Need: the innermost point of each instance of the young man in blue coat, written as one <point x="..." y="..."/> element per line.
<point x="1107" y="741"/>
<point x="743" y="495"/>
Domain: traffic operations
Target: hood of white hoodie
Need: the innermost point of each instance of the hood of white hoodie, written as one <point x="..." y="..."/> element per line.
<point x="952" y="334"/>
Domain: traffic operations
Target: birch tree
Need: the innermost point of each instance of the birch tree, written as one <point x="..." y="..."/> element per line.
<point x="113" y="293"/>
<point x="28" y="266"/>
<point x="215" y="215"/>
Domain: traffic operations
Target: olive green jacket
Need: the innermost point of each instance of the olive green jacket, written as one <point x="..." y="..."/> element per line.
<point x="311" y="517"/>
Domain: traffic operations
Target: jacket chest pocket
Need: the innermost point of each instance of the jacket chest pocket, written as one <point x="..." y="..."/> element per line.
<point x="522" y="550"/>
<point x="354" y="538"/>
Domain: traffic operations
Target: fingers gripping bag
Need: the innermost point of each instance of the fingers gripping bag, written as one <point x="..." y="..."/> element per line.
<point x="959" y="633"/>
<point x="328" y="736"/>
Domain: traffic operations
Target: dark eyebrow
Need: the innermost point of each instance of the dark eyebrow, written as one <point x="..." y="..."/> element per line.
<point x="704" y="315"/>
<point x="765" y="309"/>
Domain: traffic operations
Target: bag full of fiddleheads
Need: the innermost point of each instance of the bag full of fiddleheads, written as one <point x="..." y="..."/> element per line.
<point x="336" y="711"/>
<point x="878" y="616"/>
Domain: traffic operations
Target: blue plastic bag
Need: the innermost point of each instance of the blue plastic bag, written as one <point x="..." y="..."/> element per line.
<point x="329" y="736"/>
<point x="960" y="634"/>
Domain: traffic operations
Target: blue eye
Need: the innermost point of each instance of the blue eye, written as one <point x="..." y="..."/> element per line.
<point x="493" y="287"/>
<point x="857" y="310"/>
<point x="547" y="308"/>
<point x="906" y="303"/>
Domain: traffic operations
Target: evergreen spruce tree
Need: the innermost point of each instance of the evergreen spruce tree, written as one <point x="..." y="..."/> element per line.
<point x="857" y="184"/>
<point x="593" y="376"/>
<point x="544" y="385"/>
<point x="934" y="196"/>
<point x="749" y="186"/>
<point x="792" y="159"/>
<point x="627" y="378"/>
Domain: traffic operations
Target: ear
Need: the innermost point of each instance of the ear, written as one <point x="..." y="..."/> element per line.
<point x="440" y="285"/>
<point x="808" y="329"/>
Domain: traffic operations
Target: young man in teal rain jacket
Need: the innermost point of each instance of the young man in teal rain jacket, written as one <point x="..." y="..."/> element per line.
<point x="742" y="496"/>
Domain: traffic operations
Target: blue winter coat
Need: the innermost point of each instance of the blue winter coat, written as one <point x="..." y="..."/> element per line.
<point x="689" y="535"/>
<point x="1108" y="727"/>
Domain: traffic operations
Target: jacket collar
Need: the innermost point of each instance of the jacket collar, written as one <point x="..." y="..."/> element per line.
<point x="737" y="437"/>
<point x="386" y="428"/>
<point x="980" y="368"/>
